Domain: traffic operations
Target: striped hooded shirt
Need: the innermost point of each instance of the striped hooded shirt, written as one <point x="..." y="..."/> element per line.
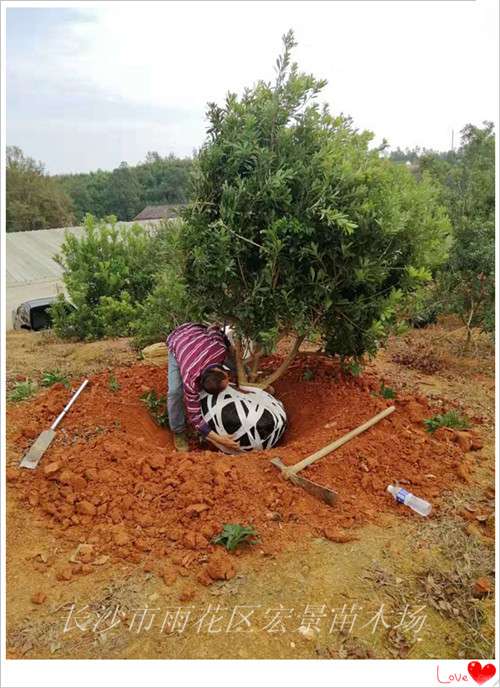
<point x="196" y="348"/>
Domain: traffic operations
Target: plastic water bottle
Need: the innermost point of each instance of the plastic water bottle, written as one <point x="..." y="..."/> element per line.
<point x="404" y="497"/>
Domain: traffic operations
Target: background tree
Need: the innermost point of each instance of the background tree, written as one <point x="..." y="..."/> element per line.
<point x="124" y="193"/>
<point x="33" y="199"/>
<point x="89" y="193"/>
<point x="156" y="181"/>
<point x="466" y="284"/>
<point x="297" y="227"/>
<point x="163" y="180"/>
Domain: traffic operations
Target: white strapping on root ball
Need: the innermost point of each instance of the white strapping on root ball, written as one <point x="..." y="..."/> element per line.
<point x="254" y="417"/>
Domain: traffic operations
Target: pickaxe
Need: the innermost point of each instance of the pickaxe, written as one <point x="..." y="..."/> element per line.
<point x="324" y="493"/>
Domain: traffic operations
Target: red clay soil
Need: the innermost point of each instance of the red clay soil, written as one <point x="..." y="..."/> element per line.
<point x="112" y="482"/>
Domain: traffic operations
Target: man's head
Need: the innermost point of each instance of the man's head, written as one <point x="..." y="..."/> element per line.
<point x="214" y="380"/>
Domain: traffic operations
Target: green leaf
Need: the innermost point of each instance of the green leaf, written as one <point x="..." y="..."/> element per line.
<point x="234" y="534"/>
<point x="451" y="419"/>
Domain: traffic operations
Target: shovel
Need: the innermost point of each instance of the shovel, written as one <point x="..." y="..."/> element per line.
<point x="324" y="493"/>
<point x="42" y="443"/>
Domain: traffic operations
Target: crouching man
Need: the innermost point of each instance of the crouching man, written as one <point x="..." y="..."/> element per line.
<point x="196" y="355"/>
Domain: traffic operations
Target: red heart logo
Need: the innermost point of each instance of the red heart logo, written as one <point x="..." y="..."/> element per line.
<point x="481" y="674"/>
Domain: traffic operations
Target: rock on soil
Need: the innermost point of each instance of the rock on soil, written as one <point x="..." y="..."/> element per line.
<point x="482" y="586"/>
<point x="221" y="566"/>
<point x="38" y="597"/>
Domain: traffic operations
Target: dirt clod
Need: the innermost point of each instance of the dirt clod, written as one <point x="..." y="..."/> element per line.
<point x="187" y="594"/>
<point x="482" y="586"/>
<point x="336" y="535"/>
<point x="464" y="440"/>
<point x="38" y="597"/>
<point x="85" y="507"/>
<point x="12" y="474"/>
<point x="220" y="566"/>
<point x="51" y="468"/>
<point x="64" y="573"/>
<point x="121" y="538"/>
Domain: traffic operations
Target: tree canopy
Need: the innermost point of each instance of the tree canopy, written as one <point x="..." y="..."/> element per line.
<point x="466" y="285"/>
<point x="126" y="190"/>
<point x="33" y="199"/>
<point x="297" y="227"/>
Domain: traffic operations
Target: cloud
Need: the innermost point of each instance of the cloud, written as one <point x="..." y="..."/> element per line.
<point x="408" y="71"/>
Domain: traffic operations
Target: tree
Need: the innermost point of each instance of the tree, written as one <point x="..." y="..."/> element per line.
<point x="124" y="193"/>
<point x="296" y="227"/>
<point x="33" y="199"/>
<point x="89" y="193"/>
<point x="409" y="155"/>
<point x="163" y="180"/>
<point x="128" y="189"/>
<point x="467" y="280"/>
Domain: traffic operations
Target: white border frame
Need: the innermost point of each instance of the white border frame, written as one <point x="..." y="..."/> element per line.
<point x="56" y="673"/>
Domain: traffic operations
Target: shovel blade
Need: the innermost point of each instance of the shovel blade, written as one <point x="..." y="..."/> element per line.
<point x="318" y="491"/>
<point x="38" y="449"/>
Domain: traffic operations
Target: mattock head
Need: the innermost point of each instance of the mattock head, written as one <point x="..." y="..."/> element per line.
<point x="318" y="491"/>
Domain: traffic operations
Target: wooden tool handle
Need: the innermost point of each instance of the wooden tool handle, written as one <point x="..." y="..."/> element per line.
<point x="293" y="470"/>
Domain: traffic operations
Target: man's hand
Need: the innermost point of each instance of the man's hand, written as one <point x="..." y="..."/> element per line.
<point x="225" y="440"/>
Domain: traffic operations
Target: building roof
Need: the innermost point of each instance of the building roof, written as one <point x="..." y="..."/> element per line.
<point x="30" y="255"/>
<point x="32" y="271"/>
<point x="158" y="212"/>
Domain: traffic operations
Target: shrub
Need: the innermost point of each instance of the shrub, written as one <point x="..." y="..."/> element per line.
<point x="387" y="392"/>
<point x="169" y="304"/>
<point x="423" y="306"/>
<point x="108" y="272"/>
<point x="467" y="281"/>
<point x="157" y="407"/>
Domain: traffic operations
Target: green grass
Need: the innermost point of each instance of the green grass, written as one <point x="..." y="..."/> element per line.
<point x="451" y="419"/>
<point x="387" y="392"/>
<point x="308" y="374"/>
<point x="113" y="384"/>
<point x="22" y="390"/>
<point x="51" y="377"/>
<point x="353" y="368"/>
<point x="157" y="406"/>
<point x="234" y="534"/>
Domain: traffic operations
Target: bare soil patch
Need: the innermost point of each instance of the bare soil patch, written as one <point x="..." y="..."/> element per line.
<point x="113" y="481"/>
<point x="114" y="516"/>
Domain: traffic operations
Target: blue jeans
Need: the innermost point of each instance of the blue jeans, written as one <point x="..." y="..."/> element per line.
<point x="175" y="396"/>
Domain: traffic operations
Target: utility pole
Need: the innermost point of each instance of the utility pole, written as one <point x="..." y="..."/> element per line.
<point x="452" y="139"/>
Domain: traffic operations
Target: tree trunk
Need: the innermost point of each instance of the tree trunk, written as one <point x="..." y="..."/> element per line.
<point x="469" y="325"/>
<point x="240" y="368"/>
<point x="255" y="362"/>
<point x="282" y="368"/>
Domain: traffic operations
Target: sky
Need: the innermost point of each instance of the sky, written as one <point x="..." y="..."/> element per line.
<point x="91" y="85"/>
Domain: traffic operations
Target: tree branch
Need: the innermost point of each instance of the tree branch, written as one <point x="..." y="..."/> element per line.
<point x="240" y="368"/>
<point x="283" y="367"/>
<point x="255" y="362"/>
<point x="243" y="238"/>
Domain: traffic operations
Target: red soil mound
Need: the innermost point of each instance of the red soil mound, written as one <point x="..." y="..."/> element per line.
<point x="112" y="480"/>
